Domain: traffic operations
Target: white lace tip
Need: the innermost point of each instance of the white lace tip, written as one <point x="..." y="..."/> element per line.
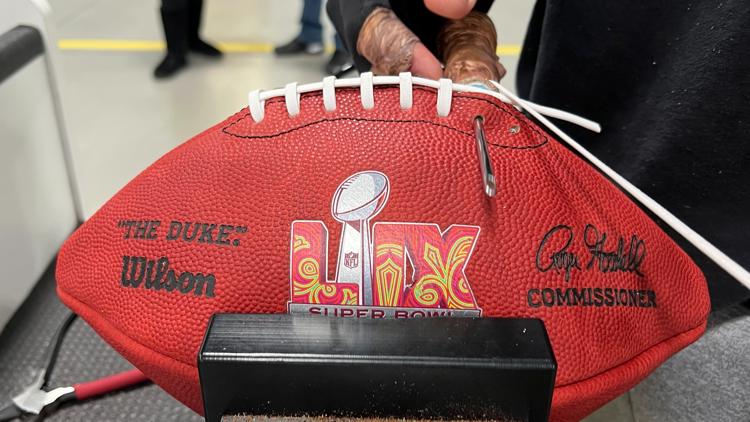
<point x="549" y="111"/>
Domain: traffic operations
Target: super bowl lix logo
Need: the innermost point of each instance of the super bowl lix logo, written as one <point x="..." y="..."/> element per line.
<point x="372" y="275"/>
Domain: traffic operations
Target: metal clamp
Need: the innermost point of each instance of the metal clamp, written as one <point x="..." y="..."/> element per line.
<point x="485" y="165"/>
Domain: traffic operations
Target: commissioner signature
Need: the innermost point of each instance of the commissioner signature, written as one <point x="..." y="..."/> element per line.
<point x="556" y="252"/>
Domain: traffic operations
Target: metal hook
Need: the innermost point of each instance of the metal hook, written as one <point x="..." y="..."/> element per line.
<point x="485" y="165"/>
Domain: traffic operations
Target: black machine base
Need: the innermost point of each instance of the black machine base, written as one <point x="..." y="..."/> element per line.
<point x="428" y="368"/>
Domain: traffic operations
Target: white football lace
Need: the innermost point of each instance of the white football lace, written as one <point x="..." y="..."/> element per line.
<point x="445" y="89"/>
<point x="405" y="81"/>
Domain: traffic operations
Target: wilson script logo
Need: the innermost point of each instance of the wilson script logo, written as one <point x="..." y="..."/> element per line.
<point x="155" y="274"/>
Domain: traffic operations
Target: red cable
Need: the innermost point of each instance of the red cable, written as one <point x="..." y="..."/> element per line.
<point x="108" y="384"/>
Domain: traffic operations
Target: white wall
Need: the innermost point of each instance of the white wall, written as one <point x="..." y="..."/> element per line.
<point x="36" y="205"/>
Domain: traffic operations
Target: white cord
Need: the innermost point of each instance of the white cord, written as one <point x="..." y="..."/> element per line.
<point x="711" y="251"/>
<point x="562" y="115"/>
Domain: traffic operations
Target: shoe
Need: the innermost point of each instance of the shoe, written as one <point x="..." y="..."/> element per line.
<point x="340" y="63"/>
<point x="195" y="43"/>
<point x="204" y="48"/>
<point x="170" y="65"/>
<point x="175" y="32"/>
<point x="297" y="46"/>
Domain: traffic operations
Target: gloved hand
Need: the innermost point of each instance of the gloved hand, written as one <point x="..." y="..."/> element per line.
<point x="434" y="38"/>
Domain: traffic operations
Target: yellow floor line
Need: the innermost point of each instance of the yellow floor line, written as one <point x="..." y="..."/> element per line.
<point x="110" y="45"/>
<point x="227" y="47"/>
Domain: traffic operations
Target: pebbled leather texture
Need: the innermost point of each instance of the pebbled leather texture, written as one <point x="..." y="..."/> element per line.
<point x="266" y="175"/>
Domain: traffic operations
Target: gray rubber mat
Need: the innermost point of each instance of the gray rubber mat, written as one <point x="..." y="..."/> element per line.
<point x="83" y="357"/>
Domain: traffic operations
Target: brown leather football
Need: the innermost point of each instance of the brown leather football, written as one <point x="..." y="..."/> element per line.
<point x="375" y="200"/>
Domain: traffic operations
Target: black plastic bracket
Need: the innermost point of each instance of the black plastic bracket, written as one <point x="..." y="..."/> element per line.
<point x="428" y="368"/>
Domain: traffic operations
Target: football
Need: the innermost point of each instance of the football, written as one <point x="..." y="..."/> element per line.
<point x="368" y="198"/>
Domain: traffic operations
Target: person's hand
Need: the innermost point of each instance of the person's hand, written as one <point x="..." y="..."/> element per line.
<point x="466" y="44"/>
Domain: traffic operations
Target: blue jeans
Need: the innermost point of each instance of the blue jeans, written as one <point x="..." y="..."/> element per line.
<point x="312" y="30"/>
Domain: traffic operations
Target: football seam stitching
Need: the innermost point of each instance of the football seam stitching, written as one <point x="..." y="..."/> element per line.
<point x="545" y="138"/>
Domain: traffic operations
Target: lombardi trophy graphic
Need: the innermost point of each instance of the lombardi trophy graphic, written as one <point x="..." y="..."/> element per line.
<point x="357" y="200"/>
